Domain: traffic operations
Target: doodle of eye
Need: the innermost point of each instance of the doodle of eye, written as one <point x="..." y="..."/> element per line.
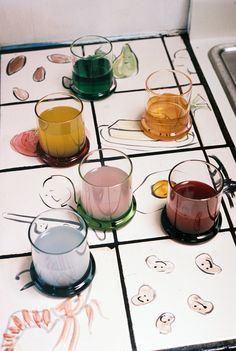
<point x="145" y="295"/>
<point x="206" y="264"/>
<point x="155" y="263"/>
<point x="40" y="227"/>
<point x="198" y="305"/>
<point x="164" y="321"/>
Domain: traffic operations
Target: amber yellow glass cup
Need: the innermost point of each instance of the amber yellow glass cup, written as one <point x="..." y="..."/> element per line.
<point x="61" y="129"/>
<point x="166" y="115"/>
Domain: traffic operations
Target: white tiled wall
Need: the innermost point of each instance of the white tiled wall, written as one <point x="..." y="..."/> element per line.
<point x="28" y="21"/>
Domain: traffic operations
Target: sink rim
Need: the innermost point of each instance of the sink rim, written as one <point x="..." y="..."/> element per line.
<point x="215" y="56"/>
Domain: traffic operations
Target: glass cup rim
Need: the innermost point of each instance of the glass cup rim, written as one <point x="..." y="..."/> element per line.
<point x="62" y="210"/>
<point x="218" y="192"/>
<point x="170" y="71"/>
<point x="100" y="150"/>
<point x="73" y="44"/>
<point x="47" y="98"/>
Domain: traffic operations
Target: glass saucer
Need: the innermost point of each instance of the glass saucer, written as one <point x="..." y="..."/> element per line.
<point x="108" y="225"/>
<point x="160" y="133"/>
<point x="64" y="291"/>
<point x="187" y="238"/>
<point x="63" y="161"/>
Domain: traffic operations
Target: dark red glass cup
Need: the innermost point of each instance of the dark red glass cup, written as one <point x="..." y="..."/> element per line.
<point x="195" y="190"/>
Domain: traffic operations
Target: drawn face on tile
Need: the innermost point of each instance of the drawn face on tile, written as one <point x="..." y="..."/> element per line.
<point x="159" y="265"/>
<point x="196" y="304"/>
<point x="146" y="201"/>
<point x="206" y="264"/>
<point x="164" y="322"/>
<point x="145" y="295"/>
<point x="58" y="191"/>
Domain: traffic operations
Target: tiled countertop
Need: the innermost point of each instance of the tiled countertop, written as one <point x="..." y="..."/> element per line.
<point x="122" y="271"/>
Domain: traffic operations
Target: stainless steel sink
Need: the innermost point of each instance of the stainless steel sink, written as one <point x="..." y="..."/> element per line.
<point x="223" y="59"/>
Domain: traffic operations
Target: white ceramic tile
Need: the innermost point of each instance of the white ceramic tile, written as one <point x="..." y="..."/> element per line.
<point x="115" y="117"/>
<point x="23" y="78"/>
<point x="205" y="119"/>
<point x="146" y="222"/>
<point x="21" y="117"/>
<point x="151" y="57"/>
<point x="173" y="289"/>
<point x="150" y="53"/>
<point x="108" y="328"/>
<point x="180" y="57"/>
<point x="24" y="199"/>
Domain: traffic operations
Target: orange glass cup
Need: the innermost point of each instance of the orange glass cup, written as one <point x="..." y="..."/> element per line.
<point x="167" y="110"/>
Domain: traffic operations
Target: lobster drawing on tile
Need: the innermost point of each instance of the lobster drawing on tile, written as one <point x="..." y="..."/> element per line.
<point x="67" y="311"/>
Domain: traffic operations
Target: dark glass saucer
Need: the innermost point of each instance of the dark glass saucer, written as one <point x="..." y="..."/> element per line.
<point x="64" y="291"/>
<point x="187" y="238"/>
<point x="63" y="161"/>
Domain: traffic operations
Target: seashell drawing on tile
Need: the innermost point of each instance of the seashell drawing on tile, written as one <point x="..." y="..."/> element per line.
<point x="145" y="295"/>
<point x="39" y="74"/>
<point x="59" y="58"/>
<point x="205" y="263"/>
<point x="197" y="304"/>
<point x="15" y="64"/>
<point x="164" y="321"/>
<point x="159" y="265"/>
<point x="20" y="94"/>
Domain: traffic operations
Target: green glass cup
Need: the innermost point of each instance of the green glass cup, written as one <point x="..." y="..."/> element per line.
<point x="92" y="74"/>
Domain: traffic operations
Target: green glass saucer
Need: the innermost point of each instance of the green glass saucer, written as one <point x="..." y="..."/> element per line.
<point x="106" y="225"/>
<point x="94" y="96"/>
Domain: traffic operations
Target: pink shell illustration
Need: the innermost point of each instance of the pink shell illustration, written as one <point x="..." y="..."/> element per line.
<point x="20" y="94"/>
<point x="39" y="74"/>
<point x="25" y="143"/>
<point x="59" y="58"/>
<point x="15" y="64"/>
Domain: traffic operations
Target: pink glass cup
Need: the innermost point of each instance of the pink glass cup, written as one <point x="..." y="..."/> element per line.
<point x="106" y="200"/>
